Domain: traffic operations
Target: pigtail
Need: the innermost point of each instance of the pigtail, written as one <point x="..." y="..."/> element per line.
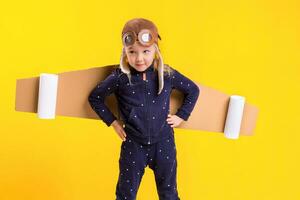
<point x="124" y="65"/>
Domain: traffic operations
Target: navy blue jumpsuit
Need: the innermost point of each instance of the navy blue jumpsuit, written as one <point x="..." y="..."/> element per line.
<point x="150" y="139"/>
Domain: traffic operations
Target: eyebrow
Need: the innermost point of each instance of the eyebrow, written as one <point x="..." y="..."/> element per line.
<point x="131" y="48"/>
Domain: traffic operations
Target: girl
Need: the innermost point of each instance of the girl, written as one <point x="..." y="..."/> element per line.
<point x="142" y="85"/>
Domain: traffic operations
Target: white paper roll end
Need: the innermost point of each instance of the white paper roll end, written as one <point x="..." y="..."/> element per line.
<point x="234" y="117"/>
<point x="47" y="96"/>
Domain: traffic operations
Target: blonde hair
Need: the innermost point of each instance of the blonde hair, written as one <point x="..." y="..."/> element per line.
<point x="158" y="65"/>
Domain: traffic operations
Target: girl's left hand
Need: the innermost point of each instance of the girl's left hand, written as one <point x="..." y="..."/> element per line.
<point x="174" y="120"/>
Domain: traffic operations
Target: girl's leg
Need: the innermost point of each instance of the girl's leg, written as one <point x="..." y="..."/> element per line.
<point x="165" y="169"/>
<point x="132" y="166"/>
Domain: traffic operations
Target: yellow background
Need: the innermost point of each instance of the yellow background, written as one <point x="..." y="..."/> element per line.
<point x="249" y="48"/>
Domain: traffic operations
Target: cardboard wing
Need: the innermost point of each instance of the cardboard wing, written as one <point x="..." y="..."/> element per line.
<point x="74" y="87"/>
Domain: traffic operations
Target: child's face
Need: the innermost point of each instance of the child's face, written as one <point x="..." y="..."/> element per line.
<point x="140" y="57"/>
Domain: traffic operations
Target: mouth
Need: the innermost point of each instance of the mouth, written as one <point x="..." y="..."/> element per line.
<point x="139" y="65"/>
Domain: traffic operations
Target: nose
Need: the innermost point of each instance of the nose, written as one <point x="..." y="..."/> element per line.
<point x="139" y="57"/>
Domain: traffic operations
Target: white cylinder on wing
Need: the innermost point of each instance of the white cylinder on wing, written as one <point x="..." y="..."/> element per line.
<point x="47" y="96"/>
<point x="234" y="117"/>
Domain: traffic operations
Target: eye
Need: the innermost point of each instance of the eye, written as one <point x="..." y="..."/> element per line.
<point x="146" y="51"/>
<point x="131" y="52"/>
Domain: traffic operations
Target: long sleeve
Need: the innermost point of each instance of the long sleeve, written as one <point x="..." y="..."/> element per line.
<point x="98" y="94"/>
<point x="191" y="93"/>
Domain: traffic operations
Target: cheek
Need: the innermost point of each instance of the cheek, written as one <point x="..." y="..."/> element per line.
<point x="130" y="57"/>
<point x="150" y="58"/>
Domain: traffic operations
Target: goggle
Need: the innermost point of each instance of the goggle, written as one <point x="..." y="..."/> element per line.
<point x="145" y="37"/>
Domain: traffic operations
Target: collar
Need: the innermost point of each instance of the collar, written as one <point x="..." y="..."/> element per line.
<point x="149" y="69"/>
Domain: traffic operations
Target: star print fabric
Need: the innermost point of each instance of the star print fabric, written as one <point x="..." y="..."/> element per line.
<point x="150" y="139"/>
<point x="143" y="111"/>
<point x="135" y="157"/>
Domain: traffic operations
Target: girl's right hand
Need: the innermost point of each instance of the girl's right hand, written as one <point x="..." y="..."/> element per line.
<point x="118" y="126"/>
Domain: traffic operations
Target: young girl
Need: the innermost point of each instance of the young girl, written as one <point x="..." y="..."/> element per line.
<point x="142" y="85"/>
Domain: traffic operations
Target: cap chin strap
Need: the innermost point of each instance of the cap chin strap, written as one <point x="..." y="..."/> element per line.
<point x="160" y="68"/>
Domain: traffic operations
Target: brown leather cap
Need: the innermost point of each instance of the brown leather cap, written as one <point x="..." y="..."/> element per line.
<point x="138" y="24"/>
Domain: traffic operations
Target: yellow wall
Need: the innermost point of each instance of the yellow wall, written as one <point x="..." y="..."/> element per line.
<point x="250" y="48"/>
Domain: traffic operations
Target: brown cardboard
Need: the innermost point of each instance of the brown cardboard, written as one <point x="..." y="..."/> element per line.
<point x="74" y="88"/>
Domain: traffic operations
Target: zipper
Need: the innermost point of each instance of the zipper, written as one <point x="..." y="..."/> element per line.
<point x="148" y="117"/>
